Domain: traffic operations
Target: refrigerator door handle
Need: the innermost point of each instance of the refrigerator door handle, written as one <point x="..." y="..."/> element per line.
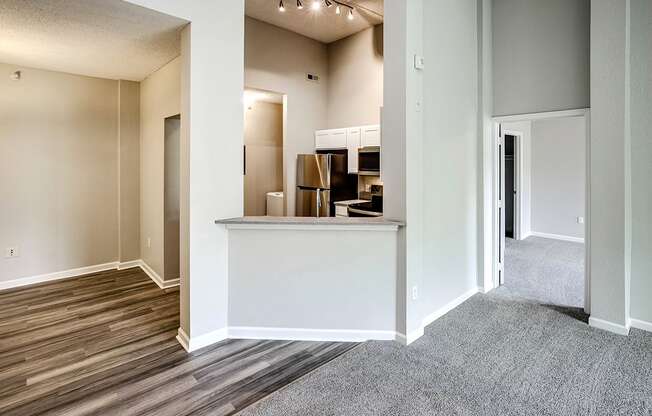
<point x="318" y="201"/>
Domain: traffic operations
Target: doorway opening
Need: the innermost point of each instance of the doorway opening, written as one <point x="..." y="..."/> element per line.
<point x="264" y="138"/>
<point x="172" y="197"/>
<point x="541" y="207"/>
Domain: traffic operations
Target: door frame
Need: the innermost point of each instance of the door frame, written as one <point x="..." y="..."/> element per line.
<point x="520" y="231"/>
<point x="492" y="193"/>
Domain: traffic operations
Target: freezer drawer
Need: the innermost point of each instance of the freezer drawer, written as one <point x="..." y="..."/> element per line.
<point x="307" y="203"/>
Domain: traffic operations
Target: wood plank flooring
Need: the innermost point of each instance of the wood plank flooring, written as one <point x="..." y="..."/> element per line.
<point x="104" y="344"/>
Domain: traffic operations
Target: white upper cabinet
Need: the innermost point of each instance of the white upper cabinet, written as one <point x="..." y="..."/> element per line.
<point x="330" y="139"/>
<point x="370" y="136"/>
<point x="353" y="144"/>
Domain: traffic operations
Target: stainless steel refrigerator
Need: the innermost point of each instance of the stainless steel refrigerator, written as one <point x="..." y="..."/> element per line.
<point x="322" y="179"/>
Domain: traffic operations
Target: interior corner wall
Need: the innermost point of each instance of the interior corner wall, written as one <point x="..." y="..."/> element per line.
<point x="129" y="170"/>
<point x="278" y="60"/>
<point x="160" y="97"/>
<point x="355" y="79"/>
<point x="540" y="55"/>
<point x="58" y="170"/>
<point x="608" y="159"/>
<point x="641" y="148"/>
<point x="558" y="176"/>
<point x="450" y="153"/>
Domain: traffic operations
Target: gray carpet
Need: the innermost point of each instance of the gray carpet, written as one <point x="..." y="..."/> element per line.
<point x="544" y="270"/>
<point x="492" y="355"/>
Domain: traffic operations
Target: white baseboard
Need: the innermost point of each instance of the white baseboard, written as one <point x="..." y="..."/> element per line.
<point x="163" y="284"/>
<point x="193" y="344"/>
<point x="642" y="325"/>
<point x="65" y="274"/>
<point x="409" y="338"/>
<point x="129" y="264"/>
<point x="304" y="334"/>
<point x="609" y="326"/>
<point x="449" y="307"/>
<point x="557" y="237"/>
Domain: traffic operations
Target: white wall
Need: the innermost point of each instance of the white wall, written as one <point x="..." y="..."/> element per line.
<point x="558" y="176"/>
<point x="312" y="279"/>
<point x="58" y="170"/>
<point x="355" y="79"/>
<point x="450" y="152"/>
<point x="641" y="162"/>
<point x="172" y="196"/>
<point x="540" y="55"/>
<point x="278" y="60"/>
<point x="609" y="259"/>
<point x="160" y="97"/>
<point x="211" y="164"/>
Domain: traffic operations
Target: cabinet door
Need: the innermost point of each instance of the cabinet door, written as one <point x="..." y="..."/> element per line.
<point x="352" y="145"/>
<point x="322" y="138"/>
<point x="370" y="136"/>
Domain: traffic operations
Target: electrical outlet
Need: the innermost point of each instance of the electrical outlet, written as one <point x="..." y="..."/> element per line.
<point x="149" y="242"/>
<point x="415" y="293"/>
<point x="11" y="252"/>
<point x="580" y="220"/>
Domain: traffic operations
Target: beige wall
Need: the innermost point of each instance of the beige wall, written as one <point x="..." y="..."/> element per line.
<point x="263" y="136"/>
<point x="160" y="97"/>
<point x="355" y="79"/>
<point x="278" y="60"/>
<point x="129" y="170"/>
<point x="172" y="196"/>
<point x="58" y="171"/>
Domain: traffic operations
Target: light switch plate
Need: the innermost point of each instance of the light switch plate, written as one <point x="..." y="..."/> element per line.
<point x="580" y="220"/>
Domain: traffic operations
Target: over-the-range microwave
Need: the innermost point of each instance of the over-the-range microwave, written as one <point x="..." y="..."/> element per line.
<point x="369" y="161"/>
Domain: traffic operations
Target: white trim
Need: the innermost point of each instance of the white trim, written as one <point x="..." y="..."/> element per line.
<point x="642" y="325"/>
<point x="309" y="334"/>
<point x="609" y="326"/>
<point x="557" y="237"/>
<point x="411" y="337"/>
<point x="448" y="307"/>
<point x="314" y="227"/>
<point x="129" y="264"/>
<point x="193" y="344"/>
<point x="163" y="284"/>
<point x="65" y="274"/>
<point x="580" y="112"/>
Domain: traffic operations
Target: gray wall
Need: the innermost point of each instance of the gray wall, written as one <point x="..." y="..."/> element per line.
<point x="641" y="136"/>
<point x="558" y="181"/>
<point x="58" y="171"/>
<point x="355" y="79"/>
<point x="540" y="55"/>
<point x="608" y="227"/>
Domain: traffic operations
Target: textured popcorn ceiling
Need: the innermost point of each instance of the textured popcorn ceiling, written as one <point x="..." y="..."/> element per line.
<point x="322" y="24"/>
<point x="101" y="38"/>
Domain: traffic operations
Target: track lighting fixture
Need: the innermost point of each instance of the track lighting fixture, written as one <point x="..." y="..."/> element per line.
<point x="316" y="4"/>
<point x="299" y="4"/>
<point x="281" y="7"/>
<point x="350" y="14"/>
<point x="328" y="3"/>
<point x="338" y="10"/>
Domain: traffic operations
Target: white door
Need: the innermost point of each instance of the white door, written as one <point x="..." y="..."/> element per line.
<point x="353" y="144"/>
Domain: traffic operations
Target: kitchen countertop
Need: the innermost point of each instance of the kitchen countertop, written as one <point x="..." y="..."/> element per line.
<point x="351" y="201"/>
<point x="342" y="223"/>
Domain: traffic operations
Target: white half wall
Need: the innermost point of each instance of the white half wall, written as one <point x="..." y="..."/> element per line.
<point x="312" y="283"/>
<point x="558" y="176"/>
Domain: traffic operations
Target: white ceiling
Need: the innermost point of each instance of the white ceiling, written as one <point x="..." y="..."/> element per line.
<point x="101" y="38"/>
<point x="322" y="24"/>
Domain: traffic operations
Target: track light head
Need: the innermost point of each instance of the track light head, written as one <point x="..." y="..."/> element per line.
<point x="299" y="4"/>
<point x="338" y="10"/>
<point x="316" y="4"/>
<point x="350" y="14"/>
<point x="281" y="6"/>
<point x="328" y="3"/>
